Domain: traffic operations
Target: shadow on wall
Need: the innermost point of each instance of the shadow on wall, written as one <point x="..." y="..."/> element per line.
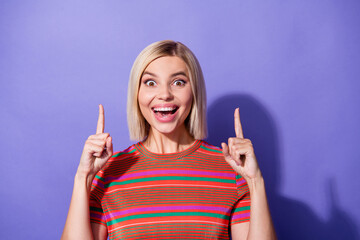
<point x="292" y="219"/>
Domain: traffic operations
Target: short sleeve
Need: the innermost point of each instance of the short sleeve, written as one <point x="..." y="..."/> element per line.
<point x="241" y="210"/>
<point x="96" y="193"/>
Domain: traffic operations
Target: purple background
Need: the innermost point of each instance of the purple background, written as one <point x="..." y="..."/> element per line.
<point x="291" y="66"/>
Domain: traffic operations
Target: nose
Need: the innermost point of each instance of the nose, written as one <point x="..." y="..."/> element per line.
<point x="165" y="93"/>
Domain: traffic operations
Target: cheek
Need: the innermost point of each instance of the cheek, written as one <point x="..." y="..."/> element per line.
<point x="143" y="103"/>
<point x="187" y="100"/>
<point x="144" y="97"/>
<point x="188" y="97"/>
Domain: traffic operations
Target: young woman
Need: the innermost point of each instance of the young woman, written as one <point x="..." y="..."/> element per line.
<point x="171" y="184"/>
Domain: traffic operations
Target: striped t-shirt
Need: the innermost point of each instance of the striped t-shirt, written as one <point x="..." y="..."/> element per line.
<point x="191" y="194"/>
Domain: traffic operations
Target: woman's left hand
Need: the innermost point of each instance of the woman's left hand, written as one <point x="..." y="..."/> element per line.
<point x="239" y="153"/>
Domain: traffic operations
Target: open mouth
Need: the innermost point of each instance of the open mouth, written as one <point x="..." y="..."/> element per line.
<point x="165" y="111"/>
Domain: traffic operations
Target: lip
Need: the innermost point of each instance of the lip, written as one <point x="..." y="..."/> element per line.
<point x="164" y="105"/>
<point x="166" y="118"/>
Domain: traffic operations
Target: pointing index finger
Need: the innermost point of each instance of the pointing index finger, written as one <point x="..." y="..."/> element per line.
<point x="101" y="120"/>
<point x="237" y="123"/>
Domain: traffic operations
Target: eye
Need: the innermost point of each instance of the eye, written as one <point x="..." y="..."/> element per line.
<point x="150" y="83"/>
<point x="179" y="82"/>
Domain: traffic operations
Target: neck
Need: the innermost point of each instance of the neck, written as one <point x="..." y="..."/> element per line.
<point x="168" y="143"/>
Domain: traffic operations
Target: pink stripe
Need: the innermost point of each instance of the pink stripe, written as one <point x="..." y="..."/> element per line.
<point x="96" y="182"/>
<point x="169" y="209"/>
<point x="168" y="171"/>
<point x="211" y="146"/>
<point x="97" y="216"/>
<point x="172" y="185"/>
<point x="129" y="149"/>
<point x="174" y="221"/>
<point x="243" y="215"/>
<point x="242" y="181"/>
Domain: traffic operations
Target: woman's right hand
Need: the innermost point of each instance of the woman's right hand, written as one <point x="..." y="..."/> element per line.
<point x="97" y="150"/>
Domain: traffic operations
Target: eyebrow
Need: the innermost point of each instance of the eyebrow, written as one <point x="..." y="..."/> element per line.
<point x="172" y="75"/>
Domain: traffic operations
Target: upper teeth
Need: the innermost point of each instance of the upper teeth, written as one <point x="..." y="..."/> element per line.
<point x="164" y="109"/>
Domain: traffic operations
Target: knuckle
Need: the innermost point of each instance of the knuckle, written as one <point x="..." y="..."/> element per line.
<point x="105" y="135"/>
<point x="233" y="148"/>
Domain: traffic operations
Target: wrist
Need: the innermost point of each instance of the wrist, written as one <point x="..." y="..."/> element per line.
<point x="256" y="183"/>
<point x="84" y="178"/>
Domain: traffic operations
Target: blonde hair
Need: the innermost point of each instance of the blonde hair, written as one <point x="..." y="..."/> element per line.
<point x="196" y="121"/>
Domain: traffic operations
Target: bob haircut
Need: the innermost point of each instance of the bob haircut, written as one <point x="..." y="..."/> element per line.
<point x="196" y="121"/>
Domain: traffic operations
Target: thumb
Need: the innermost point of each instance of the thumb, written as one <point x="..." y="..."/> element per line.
<point x="225" y="150"/>
<point x="109" y="146"/>
<point x="228" y="158"/>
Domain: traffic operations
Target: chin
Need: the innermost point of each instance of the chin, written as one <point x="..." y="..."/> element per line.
<point x="165" y="129"/>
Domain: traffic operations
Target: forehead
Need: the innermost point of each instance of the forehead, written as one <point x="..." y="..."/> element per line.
<point x="167" y="65"/>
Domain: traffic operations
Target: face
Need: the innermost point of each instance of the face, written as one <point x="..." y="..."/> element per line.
<point x="165" y="96"/>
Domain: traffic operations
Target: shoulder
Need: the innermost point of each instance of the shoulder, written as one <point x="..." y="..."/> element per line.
<point x="120" y="161"/>
<point x="210" y="149"/>
<point x="215" y="161"/>
<point x="131" y="150"/>
<point x="129" y="154"/>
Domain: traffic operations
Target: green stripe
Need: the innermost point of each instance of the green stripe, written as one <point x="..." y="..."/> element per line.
<point x="100" y="178"/>
<point x="95" y="209"/>
<point x="243" y="220"/>
<point x="164" y="178"/>
<point x="238" y="176"/>
<point x="242" y="209"/>
<point x="122" y="153"/>
<point x="168" y="214"/>
<point x="160" y="202"/>
<point x="149" y="230"/>
<point x="210" y="149"/>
